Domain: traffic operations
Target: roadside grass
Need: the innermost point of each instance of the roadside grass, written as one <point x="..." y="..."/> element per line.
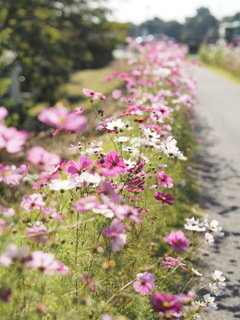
<point x="222" y="72"/>
<point x="221" y="59"/>
<point x="94" y="79"/>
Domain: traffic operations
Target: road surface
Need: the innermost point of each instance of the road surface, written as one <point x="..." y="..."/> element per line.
<point x="218" y="165"/>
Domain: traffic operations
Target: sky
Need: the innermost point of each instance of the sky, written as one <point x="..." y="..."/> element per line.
<point x="137" y="11"/>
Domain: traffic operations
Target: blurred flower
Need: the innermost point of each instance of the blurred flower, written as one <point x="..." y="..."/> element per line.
<point x="177" y="240"/>
<point x="12" y="139"/>
<point x="144" y="283"/>
<point x="117" y="234"/>
<point x="33" y="201"/>
<point x="42" y="158"/>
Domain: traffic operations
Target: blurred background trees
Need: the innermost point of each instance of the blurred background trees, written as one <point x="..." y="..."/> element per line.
<point x="52" y="38"/>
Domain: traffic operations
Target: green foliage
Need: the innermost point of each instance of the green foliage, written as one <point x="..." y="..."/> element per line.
<point x="53" y="38"/>
<point x="223" y="58"/>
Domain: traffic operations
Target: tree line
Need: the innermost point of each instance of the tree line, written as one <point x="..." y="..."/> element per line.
<point x="203" y="26"/>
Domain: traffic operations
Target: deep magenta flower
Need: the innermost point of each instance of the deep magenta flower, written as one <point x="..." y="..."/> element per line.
<point x="177" y="240"/>
<point x="113" y="164"/>
<point x="74" y="169"/>
<point x="144" y="283"/>
<point x="165" y="198"/>
<point x="117" y="234"/>
<point x="112" y="161"/>
<point x="166" y="305"/>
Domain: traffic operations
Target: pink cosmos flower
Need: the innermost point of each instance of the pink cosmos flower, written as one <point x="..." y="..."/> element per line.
<point x="89" y="282"/>
<point x="172" y="262"/>
<point x="46" y="263"/>
<point x="126" y="211"/>
<point x="165" y="198"/>
<point x="113" y="163"/>
<point x="144" y="283"/>
<point x="40" y="184"/>
<point x="12" y="139"/>
<point x="37" y="233"/>
<point x="107" y="189"/>
<point x="186" y="298"/>
<point x="116" y="94"/>
<point x="86" y="204"/>
<point x="166" y="305"/>
<point x="7" y="212"/>
<point x="34" y="201"/>
<point x="117" y="234"/>
<point x="52" y="212"/>
<point x="177" y="240"/>
<point x="61" y="119"/>
<point x="11" y="175"/>
<point x="42" y="158"/>
<point x="164" y="180"/>
<point x="12" y="253"/>
<point x="74" y="169"/>
<point x="3" y="113"/>
<point x="94" y="95"/>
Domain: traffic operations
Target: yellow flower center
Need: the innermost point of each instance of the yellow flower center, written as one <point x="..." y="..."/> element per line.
<point x="62" y="119"/>
<point x="164" y="198"/>
<point x="165" y="304"/>
<point x="7" y="173"/>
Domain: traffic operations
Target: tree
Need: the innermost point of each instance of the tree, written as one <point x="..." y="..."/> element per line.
<point x="202" y="26"/>
<point x="51" y="38"/>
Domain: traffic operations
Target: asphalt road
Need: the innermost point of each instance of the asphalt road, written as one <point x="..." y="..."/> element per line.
<point x="218" y="165"/>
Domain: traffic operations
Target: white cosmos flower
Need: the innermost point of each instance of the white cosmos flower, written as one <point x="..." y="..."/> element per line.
<point x="58" y="184"/>
<point x="121" y="139"/>
<point x="171" y="150"/>
<point x="104" y="210"/>
<point x="115" y="125"/>
<point x="195" y="271"/>
<point x="194" y="225"/>
<point x="95" y="150"/>
<point x="215" y="289"/>
<point x="87" y="178"/>
<point x="136" y="142"/>
<point x="219" y="279"/>
<point x="201" y="303"/>
<point x="210" y="302"/>
<point x="151" y="135"/>
<point x="213" y="226"/>
<point x="162" y="72"/>
<point x="130" y="164"/>
<point x="208" y="239"/>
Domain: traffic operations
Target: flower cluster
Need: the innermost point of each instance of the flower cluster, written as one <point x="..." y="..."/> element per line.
<point x="103" y="209"/>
